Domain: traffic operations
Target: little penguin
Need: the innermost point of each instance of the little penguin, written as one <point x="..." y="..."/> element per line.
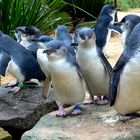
<point x="104" y="25"/>
<point x="94" y="65"/>
<point x="62" y="33"/>
<point x="124" y="89"/>
<point x="23" y="66"/>
<point x="25" y="34"/>
<point x="34" y="42"/>
<point x="127" y="24"/>
<point x="66" y="77"/>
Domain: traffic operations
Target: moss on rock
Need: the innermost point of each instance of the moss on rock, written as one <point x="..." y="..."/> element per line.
<point x="4" y="135"/>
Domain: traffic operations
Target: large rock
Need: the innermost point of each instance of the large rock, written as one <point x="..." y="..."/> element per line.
<point x="4" y="135"/>
<point x="96" y="123"/>
<point x="24" y="109"/>
<point x="134" y="135"/>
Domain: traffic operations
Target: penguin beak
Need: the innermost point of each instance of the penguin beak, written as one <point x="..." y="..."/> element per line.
<point x="35" y="39"/>
<point x="118" y="24"/>
<point x="117" y="9"/>
<point x="48" y="51"/>
<point x="74" y="44"/>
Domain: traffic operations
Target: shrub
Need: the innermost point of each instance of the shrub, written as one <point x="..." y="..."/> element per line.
<point x="45" y="14"/>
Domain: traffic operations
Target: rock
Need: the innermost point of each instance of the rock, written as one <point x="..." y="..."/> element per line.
<point x="4" y="135"/>
<point x="94" y="123"/>
<point x="24" y="109"/>
<point x="133" y="135"/>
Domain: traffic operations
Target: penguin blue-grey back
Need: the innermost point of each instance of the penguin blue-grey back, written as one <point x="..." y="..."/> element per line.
<point x="43" y="38"/>
<point x="102" y="31"/>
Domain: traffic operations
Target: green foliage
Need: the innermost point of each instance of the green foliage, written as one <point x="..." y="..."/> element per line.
<point x="44" y="14"/>
<point x="123" y="4"/>
<point x="110" y="2"/>
<point x="134" y="3"/>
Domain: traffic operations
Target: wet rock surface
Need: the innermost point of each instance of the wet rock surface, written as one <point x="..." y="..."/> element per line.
<point x="96" y="122"/>
<point x="24" y="109"/>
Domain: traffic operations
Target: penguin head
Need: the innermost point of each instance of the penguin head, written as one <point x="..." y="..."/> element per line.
<point x="108" y="10"/>
<point x="62" y="33"/>
<point x="86" y="37"/>
<point x="27" y="32"/>
<point x="56" y="50"/>
<point x="18" y="31"/>
<point x="129" y="22"/>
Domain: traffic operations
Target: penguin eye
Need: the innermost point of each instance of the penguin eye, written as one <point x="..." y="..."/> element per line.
<point x="127" y="24"/>
<point x="90" y="35"/>
<point x="82" y="36"/>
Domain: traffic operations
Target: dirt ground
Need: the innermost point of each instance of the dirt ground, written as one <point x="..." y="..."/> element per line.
<point x="113" y="51"/>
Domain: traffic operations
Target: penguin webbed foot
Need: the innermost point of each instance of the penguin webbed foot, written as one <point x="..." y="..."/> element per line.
<point x="103" y="100"/>
<point x="17" y="88"/>
<point x="89" y="101"/>
<point x="14" y="90"/>
<point x="76" y="111"/>
<point x="128" y="117"/>
<point x="12" y="84"/>
<point x="62" y="114"/>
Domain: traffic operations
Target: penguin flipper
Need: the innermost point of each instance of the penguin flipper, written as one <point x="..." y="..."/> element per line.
<point x="4" y="60"/>
<point x="105" y="62"/>
<point x="115" y="28"/>
<point x="46" y="86"/>
<point x="117" y="70"/>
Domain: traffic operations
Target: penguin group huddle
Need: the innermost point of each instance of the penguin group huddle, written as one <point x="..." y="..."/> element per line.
<point x="73" y="71"/>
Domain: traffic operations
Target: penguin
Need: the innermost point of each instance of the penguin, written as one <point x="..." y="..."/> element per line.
<point x="75" y="39"/>
<point x="62" y="33"/>
<point x="124" y="88"/>
<point x="127" y="24"/>
<point x="35" y="43"/>
<point x="66" y="77"/>
<point x="104" y="26"/>
<point x="25" y="34"/>
<point x="23" y="66"/>
<point x="96" y="69"/>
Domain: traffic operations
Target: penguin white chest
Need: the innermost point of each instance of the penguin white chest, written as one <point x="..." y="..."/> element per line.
<point x="68" y="85"/>
<point x="25" y="44"/>
<point x="43" y="61"/>
<point x="94" y="71"/>
<point x="128" y="91"/>
<point x="15" y="71"/>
